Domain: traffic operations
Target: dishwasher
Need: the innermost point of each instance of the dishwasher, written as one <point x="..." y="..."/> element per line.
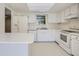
<point x="75" y="45"/>
<point x="44" y="35"/>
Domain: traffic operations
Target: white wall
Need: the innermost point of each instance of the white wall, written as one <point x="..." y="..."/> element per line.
<point x="2" y="18"/>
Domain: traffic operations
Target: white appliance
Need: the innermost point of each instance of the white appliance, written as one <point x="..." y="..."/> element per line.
<point x="69" y="41"/>
<point x="75" y="45"/>
<point x="65" y="41"/>
<point x="44" y="35"/>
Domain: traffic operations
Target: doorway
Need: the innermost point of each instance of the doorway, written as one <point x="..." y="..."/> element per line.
<point x="7" y="20"/>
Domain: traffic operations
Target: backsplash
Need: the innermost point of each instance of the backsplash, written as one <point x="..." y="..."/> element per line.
<point x="70" y="24"/>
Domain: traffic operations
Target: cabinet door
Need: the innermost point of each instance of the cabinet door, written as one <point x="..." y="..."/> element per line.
<point x="74" y="9"/>
<point x="75" y="47"/>
<point x="14" y="50"/>
<point x="2" y="18"/>
<point x="67" y="12"/>
<point x="19" y="24"/>
<point x="23" y="24"/>
<point x="45" y="35"/>
<point x="58" y="17"/>
<point x="14" y="24"/>
<point x="32" y="18"/>
<point x="62" y="16"/>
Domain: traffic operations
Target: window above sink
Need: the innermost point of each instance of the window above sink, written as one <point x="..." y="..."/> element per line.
<point x="41" y="19"/>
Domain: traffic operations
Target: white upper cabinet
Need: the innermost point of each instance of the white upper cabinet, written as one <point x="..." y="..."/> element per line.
<point x="62" y="17"/>
<point x="19" y="24"/>
<point x="23" y="25"/>
<point x="67" y="12"/>
<point x="56" y="17"/>
<point x="72" y="12"/>
<point x="32" y="18"/>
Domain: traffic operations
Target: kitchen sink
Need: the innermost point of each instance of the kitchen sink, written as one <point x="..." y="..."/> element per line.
<point x="42" y="28"/>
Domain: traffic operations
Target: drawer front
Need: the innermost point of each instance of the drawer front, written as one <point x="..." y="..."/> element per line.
<point x="73" y="37"/>
<point x="75" y="47"/>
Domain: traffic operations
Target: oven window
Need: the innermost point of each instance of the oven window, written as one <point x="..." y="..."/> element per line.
<point x="63" y="37"/>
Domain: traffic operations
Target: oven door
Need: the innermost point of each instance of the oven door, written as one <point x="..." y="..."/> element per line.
<point x="65" y="39"/>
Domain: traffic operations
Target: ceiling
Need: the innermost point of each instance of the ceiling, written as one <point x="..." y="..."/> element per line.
<point x="38" y="7"/>
<point x="19" y="7"/>
<point x="60" y="6"/>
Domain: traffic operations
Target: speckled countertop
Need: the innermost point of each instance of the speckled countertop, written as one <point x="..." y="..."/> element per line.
<point x="17" y="38"/>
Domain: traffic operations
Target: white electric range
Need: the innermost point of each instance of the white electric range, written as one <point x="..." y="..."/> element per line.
<point x="65" y="39"/>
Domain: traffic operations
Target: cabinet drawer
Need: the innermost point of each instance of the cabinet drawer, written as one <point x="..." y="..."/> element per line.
<point x="73" y="37"/>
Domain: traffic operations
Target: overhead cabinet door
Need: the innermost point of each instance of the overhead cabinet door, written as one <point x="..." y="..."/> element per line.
<point x="23" y="24"/>
<point x="19" y="24"/>
<point x="75" y="10"/>
<point x="67" y="12"/>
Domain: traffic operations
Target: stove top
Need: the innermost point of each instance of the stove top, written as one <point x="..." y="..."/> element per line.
<point x="71" y="31"/>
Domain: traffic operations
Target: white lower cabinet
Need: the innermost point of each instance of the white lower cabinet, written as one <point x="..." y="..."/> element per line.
<point x="45" y="35"/>
<point x="75" y="45"/>
<point x="13" y="49"/>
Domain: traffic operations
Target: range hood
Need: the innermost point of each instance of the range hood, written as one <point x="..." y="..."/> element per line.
<point x="72" y="17"/>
